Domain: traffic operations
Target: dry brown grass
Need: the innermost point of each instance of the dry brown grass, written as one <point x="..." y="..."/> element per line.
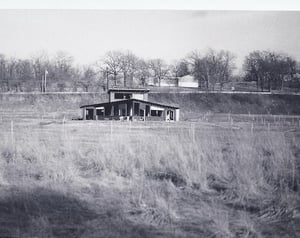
<point x="103" y="179"/>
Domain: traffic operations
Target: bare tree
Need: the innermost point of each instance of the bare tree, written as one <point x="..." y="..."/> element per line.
<point x="40" y="62"/>
<point x="128" y="65"/>
<point x="63" y="62"/>
<point x="24" y="74"/>
<point x="212" y="67"/>
<point x="288" y="67"/>
<point x="12" y="74"/>
<point x="199" y="68"/>
<point x="159" y="69"/>
<point x="180" y="68"/>
<point x="222" y="66"/>
<point x="88" y="77"/>
<point x="269" y="69"/>
<point x="143" y="71"/>
<point x="112" y="64"/>
<point x="61" y="70"/>
<point x="3" y="68"/>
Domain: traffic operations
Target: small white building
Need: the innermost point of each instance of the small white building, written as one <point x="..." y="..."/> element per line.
<point x="169" y="82"/>
<point x="188" y="81"/>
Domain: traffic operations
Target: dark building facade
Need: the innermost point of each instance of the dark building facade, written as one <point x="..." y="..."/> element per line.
<point x="130" y="104"/>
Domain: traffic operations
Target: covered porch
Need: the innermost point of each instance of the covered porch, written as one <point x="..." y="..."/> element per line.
<point x="130" y="110"/>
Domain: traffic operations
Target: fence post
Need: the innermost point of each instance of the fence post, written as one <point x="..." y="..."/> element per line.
<point x="252" y="127"/>
<point x="193" y="131"/>
<point x="12" y="131"/>
<point x="111" y="129"/>
<point x="63" y="122"/>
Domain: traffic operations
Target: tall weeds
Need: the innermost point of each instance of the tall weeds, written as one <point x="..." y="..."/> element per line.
<point x="162" y="178"/>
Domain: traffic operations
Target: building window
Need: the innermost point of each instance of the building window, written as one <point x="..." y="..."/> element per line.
<point x="156" y="113"/>
<point x="122" y="95"/>
<point x="100" y="112"/>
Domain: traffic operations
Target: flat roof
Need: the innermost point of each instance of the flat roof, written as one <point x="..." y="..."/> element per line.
<point x="128" y="90"/>
<point x="129" y="100"/>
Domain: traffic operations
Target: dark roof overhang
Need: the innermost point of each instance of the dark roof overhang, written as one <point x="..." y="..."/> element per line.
<point x="129" y="100"/>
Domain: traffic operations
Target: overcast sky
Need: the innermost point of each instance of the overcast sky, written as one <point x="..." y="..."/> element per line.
<point x="88" y="34"/>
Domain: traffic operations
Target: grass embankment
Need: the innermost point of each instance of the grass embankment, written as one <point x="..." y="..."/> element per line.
<point x="53" y="105"/>
<point x="103" y="179"/>
<point x="192" y="104"/>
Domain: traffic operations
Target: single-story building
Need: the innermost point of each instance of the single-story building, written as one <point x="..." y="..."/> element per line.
<point x="130" y="104"/>
<point x="188" y="81"/>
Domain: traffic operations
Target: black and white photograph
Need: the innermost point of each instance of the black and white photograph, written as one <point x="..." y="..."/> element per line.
<point x="174" y="120"/>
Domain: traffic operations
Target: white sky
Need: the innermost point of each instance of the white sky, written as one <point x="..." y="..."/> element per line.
<point x="167" y="34"/>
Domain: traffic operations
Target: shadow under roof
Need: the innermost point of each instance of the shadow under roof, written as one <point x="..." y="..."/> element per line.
<point x="129" y="100"/>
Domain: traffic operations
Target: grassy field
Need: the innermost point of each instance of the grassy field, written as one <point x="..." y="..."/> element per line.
<point x="220" y="175"/>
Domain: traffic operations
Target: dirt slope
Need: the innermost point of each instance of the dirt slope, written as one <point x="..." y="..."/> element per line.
<point x="190" y="103"/>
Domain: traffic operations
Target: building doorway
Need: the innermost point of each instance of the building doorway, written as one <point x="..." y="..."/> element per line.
<point x="99" y="112"/>
<point x="170" y="115"/>
<point x="89" y="114"/>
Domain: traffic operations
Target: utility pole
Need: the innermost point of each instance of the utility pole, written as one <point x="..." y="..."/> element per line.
<point x="42" y="83"/>
<point x="45" y="77"/>
<point x="107" y="81"/>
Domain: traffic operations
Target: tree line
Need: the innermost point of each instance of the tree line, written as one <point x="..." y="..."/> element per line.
<point x="269" y="70"/>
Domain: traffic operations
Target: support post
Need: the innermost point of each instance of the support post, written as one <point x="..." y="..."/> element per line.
<point x="12" y="132"/>
<point x="131" y="110"/>
<point x="193" y="131"/>
<point x="83" y="114"/>
<point x="177" y="112"/>
<point x="112" y="110"/>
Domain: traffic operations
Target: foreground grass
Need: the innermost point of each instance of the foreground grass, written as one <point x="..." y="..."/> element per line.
<point x="92" y="179"/>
